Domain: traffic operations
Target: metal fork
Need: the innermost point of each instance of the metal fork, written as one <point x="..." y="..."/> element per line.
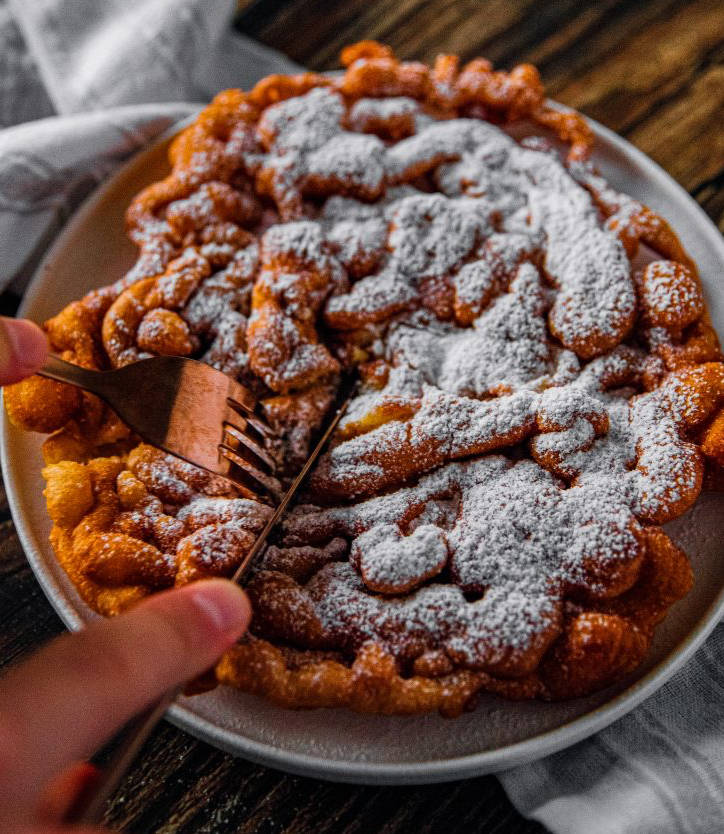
<point x="188" y="409"/>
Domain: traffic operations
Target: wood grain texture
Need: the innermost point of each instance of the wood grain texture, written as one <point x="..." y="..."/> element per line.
<point x="653" y="70"/>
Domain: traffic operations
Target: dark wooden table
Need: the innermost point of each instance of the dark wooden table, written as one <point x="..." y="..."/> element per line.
<point x="653" y="70"/>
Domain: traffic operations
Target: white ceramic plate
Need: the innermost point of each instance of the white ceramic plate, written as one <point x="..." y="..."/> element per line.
<point x="336" y="744"/>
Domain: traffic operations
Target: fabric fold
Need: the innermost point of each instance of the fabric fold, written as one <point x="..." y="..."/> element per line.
<point x="49" y="166"/>
<point x="657" y="770"/>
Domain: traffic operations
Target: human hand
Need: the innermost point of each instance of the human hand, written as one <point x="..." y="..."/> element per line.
<point x="23" y="348"/>
<point x="73" y="695"/>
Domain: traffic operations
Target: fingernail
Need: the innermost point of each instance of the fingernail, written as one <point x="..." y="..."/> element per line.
<point x="223" y="604"/>
<point x="23" y="346"/>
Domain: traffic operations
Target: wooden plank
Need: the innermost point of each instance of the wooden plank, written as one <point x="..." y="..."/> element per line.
<point x="710" y="196"/>
<point x="655" y="64"/>
<point x="686" y="135"/>
<point x="26" y="618"/>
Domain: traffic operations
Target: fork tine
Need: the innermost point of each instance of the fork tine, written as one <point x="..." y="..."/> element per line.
<point x="253" y="419"/>
<point x="268" y="482"/>
<point x="241" y="437"/>
<point x="242" y="394"/>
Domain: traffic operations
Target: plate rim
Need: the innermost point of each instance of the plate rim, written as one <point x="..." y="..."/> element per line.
<point x="423" y="772"/>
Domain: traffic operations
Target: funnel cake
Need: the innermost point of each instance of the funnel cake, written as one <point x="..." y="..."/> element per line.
<point x="541" y="391"/>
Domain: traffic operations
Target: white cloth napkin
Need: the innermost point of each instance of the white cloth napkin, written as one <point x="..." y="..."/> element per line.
<point x="83" y="85"/>
<point x="86" y="83"/>
<point x="657" y="770"/>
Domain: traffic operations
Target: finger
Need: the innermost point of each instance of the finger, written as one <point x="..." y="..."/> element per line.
<point x="23" y="349"/>
<point x="64" y="791"/>
<point x="70" y="697"/>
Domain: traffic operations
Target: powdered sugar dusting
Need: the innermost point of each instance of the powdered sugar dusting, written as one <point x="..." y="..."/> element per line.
<point x="527" y="553"/>
<point x="508" y="448"/>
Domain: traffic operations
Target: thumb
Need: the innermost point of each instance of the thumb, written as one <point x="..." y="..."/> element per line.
<point x="72" y="695"/>
<point x="23" y="348"/>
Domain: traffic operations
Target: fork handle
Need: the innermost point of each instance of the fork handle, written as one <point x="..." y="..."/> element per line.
<point x="62" y="371"/>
